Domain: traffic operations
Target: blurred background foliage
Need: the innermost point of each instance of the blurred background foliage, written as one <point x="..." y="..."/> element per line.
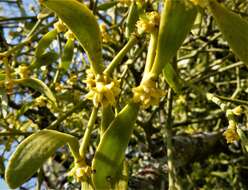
<point x="203" y="159"/>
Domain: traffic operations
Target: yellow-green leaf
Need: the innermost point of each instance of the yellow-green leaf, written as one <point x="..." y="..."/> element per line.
<point x="81" y="21"/>
<point x="32" y="153"/>
<point x="106" y="6"/>
<point x="176" y="21"/>
<point x="67" y="54"/>
<point x="44" y="42"/>
<point x="38" y="85"/>
<point x="111" y="150"/>
<point x="233" y="27"/>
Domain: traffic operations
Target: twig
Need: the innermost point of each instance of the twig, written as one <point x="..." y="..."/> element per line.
<point x="87" y="134"/>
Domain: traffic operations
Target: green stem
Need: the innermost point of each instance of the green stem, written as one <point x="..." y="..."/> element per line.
<point x="17" y="18"/>
<point x="118" y="58"/>
<point x="74" y="148"/>
<point x="17" y="47"/>
<point x="151" y="51"/>
<point x="31" y="33"/>
<point x="168" y="140"/>
<point x="238" y="101"/>
<point x="87" y="134"/>
<point x="39" y="179"/>
<point x="15" y="133"/>
<point x="211" y="97"/>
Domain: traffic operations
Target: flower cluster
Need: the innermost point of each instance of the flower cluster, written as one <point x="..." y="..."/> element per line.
<point x="102" y="89"/>
<point x="230" y="134"/>
<point x="60" y="26"/>
<point x="148" y="22"/>
<point x="105" y="36"/>
<point x="237" y="110"/>
<point x="23" y="71"/>
<point x="80" y="172"/>
<point x="147" y="93"/>
<point x="69" y="35"/>
<point x="40" y="101"/>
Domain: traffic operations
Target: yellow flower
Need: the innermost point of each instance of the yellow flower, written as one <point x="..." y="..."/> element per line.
<point x="69" y="35"/>
<point x="41" y="101"/>
<point x="105" y="36"/>
<point x="58" y="87"/>
<point x="23" y="71"/>
<point x="80" y="172"/>
<point x="237" y="110"/>
<point x="60" y="26"/>
<point x="147" y="93"/>
<point x="148" y="22"/>
<point x="102" y="89"/>
<point x="230" y="134"/>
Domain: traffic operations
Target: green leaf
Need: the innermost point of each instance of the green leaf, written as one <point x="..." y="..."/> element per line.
<point x="44" y="42"/>
<point x="233" y="27"/>
<point x="107" y="117"/>
<point x="132" y="18"/>
<point x="111" y="150"/>
<point x="122" y="183"/>
<point x="32" y="153"/>
<point x="81" y="21"/>
<point x="106" y="6"/>
<point x="67" y="54"/>
<point x="176" y="21"/>
<point x="38" y="85"/>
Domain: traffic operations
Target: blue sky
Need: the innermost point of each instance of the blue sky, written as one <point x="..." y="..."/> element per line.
<point x="3" y="185"/>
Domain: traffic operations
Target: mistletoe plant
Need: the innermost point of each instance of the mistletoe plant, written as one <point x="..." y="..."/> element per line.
<point x="166" y="30"/>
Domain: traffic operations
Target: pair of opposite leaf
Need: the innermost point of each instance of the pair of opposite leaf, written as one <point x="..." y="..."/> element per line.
<point x="174" y="27"/>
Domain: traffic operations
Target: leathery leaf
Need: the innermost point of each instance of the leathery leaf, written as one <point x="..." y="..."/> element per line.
<point x="107" y="116"/>
<point x="33" y="152"/>
<point x="38" y="85"/>
<point x="67" y="54"/>
<point x="44" y="42"/>
<point x="110" y="152"/>
<point x="176" y="21"/>
<point x="233" y="27"/>
<point x="132" y="18"/>
<point x="106" y="6"/>
<point x="83" y="24"/>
